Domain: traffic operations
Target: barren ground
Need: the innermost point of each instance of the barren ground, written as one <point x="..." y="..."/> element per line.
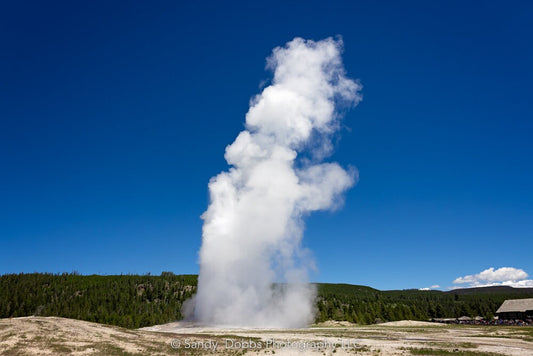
<point x="60" y="336"/>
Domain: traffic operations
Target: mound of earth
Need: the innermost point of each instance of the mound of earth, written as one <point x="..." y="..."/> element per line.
<point x="410" y="323"/>
<point x="334" y="323"/>
<point x="54" y="336"/>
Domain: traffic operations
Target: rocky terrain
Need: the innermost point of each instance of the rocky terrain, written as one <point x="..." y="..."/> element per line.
<point x="61" y="336"/>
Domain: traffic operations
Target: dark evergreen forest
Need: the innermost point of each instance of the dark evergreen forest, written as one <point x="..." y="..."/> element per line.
<point x="135" y="301"/>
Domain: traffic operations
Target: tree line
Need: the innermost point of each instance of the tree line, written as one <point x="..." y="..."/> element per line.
<point x="365" y="305"/>
<point x="130" y="301"/>
<point x="134" y="301"/>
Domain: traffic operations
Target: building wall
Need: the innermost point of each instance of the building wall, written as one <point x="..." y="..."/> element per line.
<point x="512" y="315"/>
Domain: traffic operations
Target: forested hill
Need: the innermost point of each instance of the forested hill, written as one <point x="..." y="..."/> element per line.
<point x="130" y="301"/>
<point x="140" y="300"/>
<point x="367" y="305"/>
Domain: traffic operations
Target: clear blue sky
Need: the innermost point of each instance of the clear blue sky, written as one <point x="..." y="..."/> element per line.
<point x="114" y="115"/>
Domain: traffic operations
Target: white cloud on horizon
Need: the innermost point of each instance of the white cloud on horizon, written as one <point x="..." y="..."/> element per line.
<point x="435" y="286"/>
<point x="504" y="276"/>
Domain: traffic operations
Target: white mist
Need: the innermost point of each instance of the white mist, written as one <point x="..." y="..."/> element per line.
<point x="254" y="224"/>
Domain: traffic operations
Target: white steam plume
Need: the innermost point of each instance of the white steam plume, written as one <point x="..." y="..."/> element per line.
<point x="253" y="226"/>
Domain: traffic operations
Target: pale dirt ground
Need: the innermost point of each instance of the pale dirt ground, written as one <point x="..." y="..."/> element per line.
<point x="60" y="336"/>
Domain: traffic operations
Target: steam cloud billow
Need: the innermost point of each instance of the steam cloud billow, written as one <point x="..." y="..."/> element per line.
<point x="253" y="226"/>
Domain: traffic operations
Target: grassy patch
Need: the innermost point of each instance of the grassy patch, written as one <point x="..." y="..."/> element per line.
<point x="456" y="352"/>
<point x="15" y="351"/>
<point x="122" y="338"/>
<point x="460" y="345"/>
<point x="526" y="335"/>
<point x="8" y="335"/>
<point x="413" y="329"/>
<point x="112" y="350"/>
<point x="59" y="348"/>
<point x="467" y="345"/>
<point x="362" y="349"/>
<point x="161" y="349"/>
<point x="235" y="337"/>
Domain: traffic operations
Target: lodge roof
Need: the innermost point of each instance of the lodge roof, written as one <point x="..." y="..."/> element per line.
<point x="516" y="305"/>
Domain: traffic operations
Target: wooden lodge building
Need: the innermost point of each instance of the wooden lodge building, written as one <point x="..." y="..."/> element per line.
<point x="516" y="309"/>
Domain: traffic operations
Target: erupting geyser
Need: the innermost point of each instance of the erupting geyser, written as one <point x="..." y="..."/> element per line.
<point x="253" y="226"/>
